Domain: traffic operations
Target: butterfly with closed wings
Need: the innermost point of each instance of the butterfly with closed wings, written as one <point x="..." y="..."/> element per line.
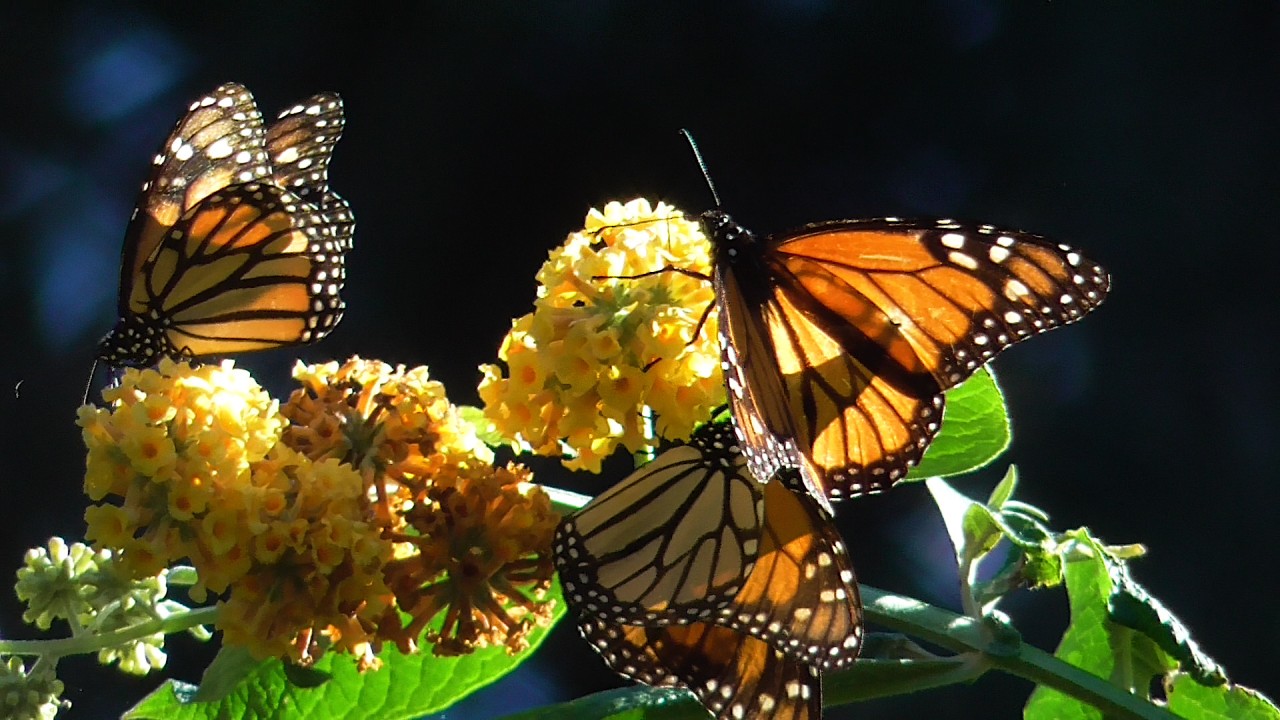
<point x="690" y="573"/>
<point x="236" y="243"/>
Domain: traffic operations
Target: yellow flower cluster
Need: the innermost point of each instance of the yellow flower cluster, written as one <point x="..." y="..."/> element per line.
<point x="604" y="350"/>
<point x="477" y="547"/>
<point x="323" y="523"/>
<point x="394" y="425"/>
<point x="193" y="459"/>
<point x="471" y="543"/>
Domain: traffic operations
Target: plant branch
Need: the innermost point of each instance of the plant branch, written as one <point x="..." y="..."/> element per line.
<point x="93" y="642"/>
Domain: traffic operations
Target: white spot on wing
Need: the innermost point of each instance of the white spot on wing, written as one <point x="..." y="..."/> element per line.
<point x="958" y="258"/>
<point x="219" y="149"/>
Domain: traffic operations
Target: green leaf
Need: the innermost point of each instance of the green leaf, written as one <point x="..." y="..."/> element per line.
<point x="975" y="430"/>
<point x="407" y="686"/>
<point x="952" y="505"/>
<point x="1004" y="489"/>
<point x="1132" y="606"/>
<point x="1025" y="509"/>
<point x="1191" y="699"/>
<point x="865" y="680"/>
<point x="980" y="530"/>
<point x="1092" y="642"/>
<point x="566" y="501"/>
<point x="1025" y="531"/>
<point x="228" y="669"/>
<point x="1041" y="569"/>
<point x="970" y="525"/>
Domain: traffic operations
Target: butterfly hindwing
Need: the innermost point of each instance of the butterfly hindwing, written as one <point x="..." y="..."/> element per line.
<point x="683" y="541"/>
<point x="801" y="596"/>
<point x="733" y="676"/>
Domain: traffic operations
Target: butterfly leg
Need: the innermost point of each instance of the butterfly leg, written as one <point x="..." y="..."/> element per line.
<point x="682" y="271"/>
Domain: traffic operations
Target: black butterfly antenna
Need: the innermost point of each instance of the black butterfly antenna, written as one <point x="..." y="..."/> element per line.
<point x="702" y="165"/>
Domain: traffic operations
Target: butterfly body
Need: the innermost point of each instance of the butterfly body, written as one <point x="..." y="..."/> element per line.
<point x="839" y="338"/>
<point x="236" y="243"/>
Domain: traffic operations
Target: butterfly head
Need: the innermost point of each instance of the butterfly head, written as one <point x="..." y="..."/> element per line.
<point x="728" y="237"/>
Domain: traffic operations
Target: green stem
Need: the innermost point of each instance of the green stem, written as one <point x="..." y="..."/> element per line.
<point x="968" y="572"/>
<point x="1000" y="648"/>
<point x="93" y="642"/>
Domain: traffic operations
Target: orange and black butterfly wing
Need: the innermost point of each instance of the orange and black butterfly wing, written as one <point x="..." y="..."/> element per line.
<point x="219" y="142"/>
<point x="854" y="328"/>
<point x="938" y="297"/>
<point x="886" y="314"/>
<point x="801" y="596"/>
<point x="786" y="378"/>
<point x="242" y="270"/>
<point x="672" y="542"/>
<point x="300" y="145"/>
<point x="732" y="675"/>
<point x="760" y="656"/>
<point x="757" y="393"/>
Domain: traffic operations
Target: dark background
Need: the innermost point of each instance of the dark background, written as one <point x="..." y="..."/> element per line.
<point x="479" y="134"/>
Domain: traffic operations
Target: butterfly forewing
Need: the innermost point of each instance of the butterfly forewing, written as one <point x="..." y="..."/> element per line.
<point x="300" y="144"/>
<point x="747" y="647"/>
<point x="671" y="542"/>
<point x="956" y="293"/>
<point x="219" y="142"/>
<point x="733" y="676"/>
<point x="757" y="393"/>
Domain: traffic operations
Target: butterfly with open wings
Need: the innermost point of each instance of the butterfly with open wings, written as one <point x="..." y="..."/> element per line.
<point x="839" y="338"/>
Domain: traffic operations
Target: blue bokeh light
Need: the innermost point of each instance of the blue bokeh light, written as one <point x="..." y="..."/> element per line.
<point x="118" y="67"/>
<point x="72" y="251"/>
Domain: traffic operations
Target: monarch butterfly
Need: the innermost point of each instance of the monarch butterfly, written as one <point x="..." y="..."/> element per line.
<point x="839" y="338"/>
<point x="227" y="252"/>
<point x="691" y="573"/>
